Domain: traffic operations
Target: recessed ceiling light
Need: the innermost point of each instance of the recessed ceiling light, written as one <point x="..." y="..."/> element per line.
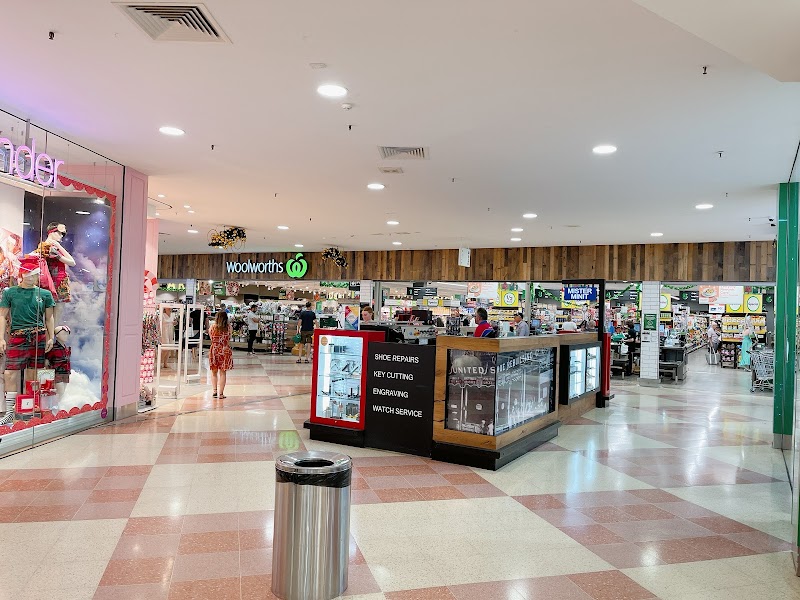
<point x="529" y="215"/>
<point x="516" y="229"/>
<point x="298" y="245"/>
<point x="397" y="243"/>
<point x="186" y="206"/>
<point x="192" y="230"/>
<point x="656" y="234"/>
<point x="191" y="212"/>
<point x="393" y="222"/>
<point x="161" y="196"/>
<point x="516" y="239"/>
<point x="168" y="130"/>
<point x="332" y="90"/>
<point x="375" y="186"/>
<point x="604" y="149"/>
<point x="158" y="214"/>
<point x="704" y="206"/>
<point x="283" y="227"/>
<point x="82" y="212"/>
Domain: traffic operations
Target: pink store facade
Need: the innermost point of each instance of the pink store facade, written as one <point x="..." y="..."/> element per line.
<point x="72" y="251"/>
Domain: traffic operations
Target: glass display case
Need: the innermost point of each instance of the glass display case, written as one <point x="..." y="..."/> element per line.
<point x="494" y="392"/>
<point x="592" y="368"/>
<point x="339" y="376"/>
<point x="580" y="373"/>
<point x="577" y="373"/>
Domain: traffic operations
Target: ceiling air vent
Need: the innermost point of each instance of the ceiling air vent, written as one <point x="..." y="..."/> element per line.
<point x="174" y="22"/>
<point x="403" y="152"/>
<point x="391" y="170"/>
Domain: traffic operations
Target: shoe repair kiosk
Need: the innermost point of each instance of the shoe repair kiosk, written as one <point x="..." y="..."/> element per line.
<point x="480" y="402"/>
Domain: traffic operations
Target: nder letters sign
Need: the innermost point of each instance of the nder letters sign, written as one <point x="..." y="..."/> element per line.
<point x="399" y="399"/>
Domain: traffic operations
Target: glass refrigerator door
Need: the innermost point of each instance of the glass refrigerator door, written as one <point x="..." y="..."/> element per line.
<point x="592" y="369"/>
<point x="339" y="367"/>
<point x="577" y="373"/>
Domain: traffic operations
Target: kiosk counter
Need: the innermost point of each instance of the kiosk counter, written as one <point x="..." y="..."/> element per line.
<point x="480" y="402"/>
<point x="494" y="399"/>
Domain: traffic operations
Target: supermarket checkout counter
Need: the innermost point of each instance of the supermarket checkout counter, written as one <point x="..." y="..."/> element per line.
<point x="481" y="402"/>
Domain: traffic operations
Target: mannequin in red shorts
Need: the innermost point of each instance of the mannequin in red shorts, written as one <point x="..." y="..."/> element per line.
<point x="58" y="259"/>
<point x="30" y="310"/>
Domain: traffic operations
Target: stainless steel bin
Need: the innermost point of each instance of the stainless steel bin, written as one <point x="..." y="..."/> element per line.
<point x="311" y="542"/>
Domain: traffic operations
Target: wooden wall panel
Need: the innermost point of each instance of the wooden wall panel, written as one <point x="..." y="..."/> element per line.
<point x="702" y="262"/>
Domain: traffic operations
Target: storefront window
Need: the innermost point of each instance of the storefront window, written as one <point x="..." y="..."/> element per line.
<point x="57" y="207"/>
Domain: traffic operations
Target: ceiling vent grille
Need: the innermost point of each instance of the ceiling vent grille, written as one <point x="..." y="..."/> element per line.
<point x="403" y="152"/>
<point x="391" y="170"/>
<point x="172" y="22"/>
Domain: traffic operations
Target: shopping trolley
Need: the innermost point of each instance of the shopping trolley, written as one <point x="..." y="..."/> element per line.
<point x="763" y="363"/>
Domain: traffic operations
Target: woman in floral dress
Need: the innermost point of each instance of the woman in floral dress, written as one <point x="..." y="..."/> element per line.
<point x="220" y="358"/>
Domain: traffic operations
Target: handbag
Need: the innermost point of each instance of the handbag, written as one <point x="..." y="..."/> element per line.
<point x="297" y="338"/>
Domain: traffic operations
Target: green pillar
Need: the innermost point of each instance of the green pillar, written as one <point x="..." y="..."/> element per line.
<point x="785" y="314"/>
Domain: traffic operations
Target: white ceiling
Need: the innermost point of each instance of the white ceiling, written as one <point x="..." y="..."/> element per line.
<point x="509" y="97"/>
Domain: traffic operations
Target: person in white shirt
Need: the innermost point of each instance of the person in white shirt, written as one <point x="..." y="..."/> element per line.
<point x="253" y="320"/>
<point x="521" y="328"/>
<point x="569" y="326"/>
<point x="713" y="337"/>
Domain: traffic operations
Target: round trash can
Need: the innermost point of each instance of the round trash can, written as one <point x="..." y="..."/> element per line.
<point x="311" y="541"/>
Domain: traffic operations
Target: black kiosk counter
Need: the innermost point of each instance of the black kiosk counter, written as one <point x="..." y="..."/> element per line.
<point x="480" y="402"/>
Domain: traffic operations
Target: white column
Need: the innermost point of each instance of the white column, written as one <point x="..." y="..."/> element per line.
<point x="651" y="305"/>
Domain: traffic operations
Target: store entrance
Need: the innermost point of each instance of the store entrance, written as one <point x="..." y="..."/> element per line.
<point x="704" y="330"/>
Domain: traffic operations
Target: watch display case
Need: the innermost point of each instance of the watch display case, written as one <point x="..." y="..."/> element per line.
<point x="339" y="376"/>
<point x="577" y="373"/>
<point x="592" y="368"/>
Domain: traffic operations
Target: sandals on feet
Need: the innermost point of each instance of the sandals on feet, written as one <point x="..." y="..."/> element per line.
<point x="299" y="361"/>
<point x="222" y="397"/>
<point x="214" y="395"/>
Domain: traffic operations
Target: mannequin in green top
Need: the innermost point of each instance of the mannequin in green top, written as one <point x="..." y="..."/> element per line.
<point x="30" y="310"/>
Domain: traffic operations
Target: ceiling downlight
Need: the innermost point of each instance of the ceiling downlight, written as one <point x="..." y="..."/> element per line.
<point x="190" y="22"/>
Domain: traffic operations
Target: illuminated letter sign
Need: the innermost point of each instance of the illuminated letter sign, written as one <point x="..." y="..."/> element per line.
<point x="23" y="162"/>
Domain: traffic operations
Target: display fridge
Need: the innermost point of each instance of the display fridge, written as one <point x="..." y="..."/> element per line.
<point x="339" y="376"/>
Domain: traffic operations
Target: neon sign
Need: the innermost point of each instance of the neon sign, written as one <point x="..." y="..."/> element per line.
<point x="23" y="162"/>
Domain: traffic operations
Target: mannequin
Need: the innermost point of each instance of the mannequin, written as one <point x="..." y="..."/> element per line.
<point x="59" y="358"/>
<point x="58" y="259"/>
<point x="30" y="310"/>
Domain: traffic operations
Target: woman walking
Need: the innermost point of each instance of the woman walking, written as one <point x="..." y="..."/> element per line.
<point x="220" y="357"/>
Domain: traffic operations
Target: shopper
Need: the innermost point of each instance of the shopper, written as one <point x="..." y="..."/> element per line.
<point x="484" y="328"/>
<point x="220" y="357"/>
<point x="307" y="319"/>
<point x="713" y="337"/>
<point x="521" y="328"/>
<point x="253" y="321"/>
<point x="748" y="334"/>
<point x="367" y="314"/>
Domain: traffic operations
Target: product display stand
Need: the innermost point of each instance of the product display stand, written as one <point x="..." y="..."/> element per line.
<point x="278" y="337"/>
<point x="191" y="343"/>
<point x="169" y="390"/>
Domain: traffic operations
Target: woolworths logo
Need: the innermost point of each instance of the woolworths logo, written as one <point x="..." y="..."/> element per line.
<point x="295" y="267"/>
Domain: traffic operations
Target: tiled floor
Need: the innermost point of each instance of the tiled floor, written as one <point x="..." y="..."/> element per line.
<point x="671" y="492"/>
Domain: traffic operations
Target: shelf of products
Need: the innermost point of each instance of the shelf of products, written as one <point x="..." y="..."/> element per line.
<point x="732" y="327"/>
<point x="729" y="355"/>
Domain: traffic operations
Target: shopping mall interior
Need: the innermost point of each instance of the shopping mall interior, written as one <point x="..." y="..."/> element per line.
<point x="446" y="300"/>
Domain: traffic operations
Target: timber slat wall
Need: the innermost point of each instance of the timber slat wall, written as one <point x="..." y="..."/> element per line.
<point x="711" y="261"/>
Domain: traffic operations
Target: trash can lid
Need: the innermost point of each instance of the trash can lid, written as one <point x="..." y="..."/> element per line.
<point x="313" y="462"/>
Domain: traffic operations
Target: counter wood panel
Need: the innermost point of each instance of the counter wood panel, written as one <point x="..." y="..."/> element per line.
<point x="704" y="262"/>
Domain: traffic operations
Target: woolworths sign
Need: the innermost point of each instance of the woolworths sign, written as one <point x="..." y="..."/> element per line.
<point x="295" y="267"/>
